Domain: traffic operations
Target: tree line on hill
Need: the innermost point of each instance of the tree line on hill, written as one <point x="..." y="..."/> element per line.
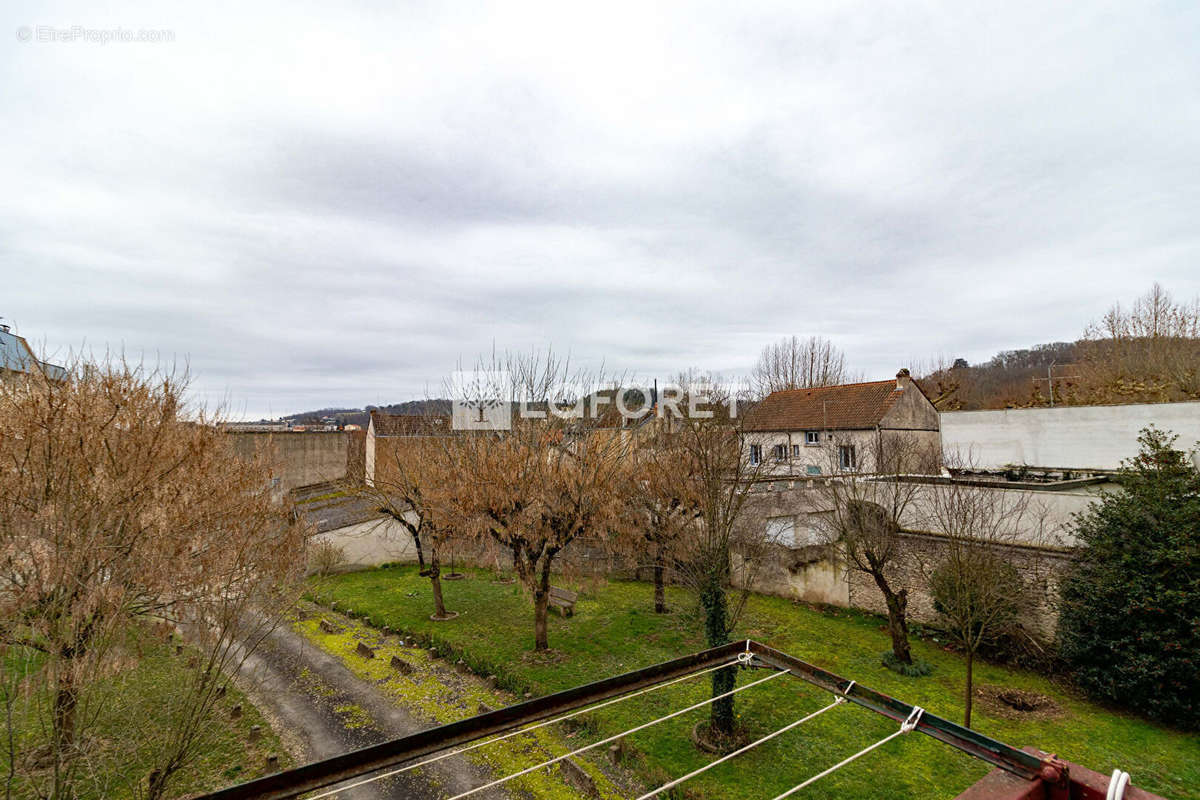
<point x="1146" y="353"/>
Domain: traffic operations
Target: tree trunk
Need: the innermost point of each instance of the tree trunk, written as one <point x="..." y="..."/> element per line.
<point x="970" y="688"/>
<point x="721" y="719"/>
<point x="660" y="600"/>
<point x="65" y="702"/>
<point x="435" y="571"/>
<point x="541" y="602"/>
<point x="420" y="556"/>
<point x="897" y="608"/>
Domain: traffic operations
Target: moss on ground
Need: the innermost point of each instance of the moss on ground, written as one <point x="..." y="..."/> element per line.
<point x="439" y="694"/>
<point x="615" y="630"/>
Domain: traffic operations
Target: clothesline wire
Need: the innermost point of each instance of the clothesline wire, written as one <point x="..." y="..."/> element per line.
<point x="837" y="702"/>
<point x="542" y="724"/>
<point x="908" y="725"/>
<point x="614" y="737"/>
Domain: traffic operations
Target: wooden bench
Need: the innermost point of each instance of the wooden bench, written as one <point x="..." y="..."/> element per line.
<point x="563" y="601"/>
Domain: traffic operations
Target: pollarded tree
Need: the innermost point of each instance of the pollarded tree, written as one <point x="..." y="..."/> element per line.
<point x="865" y="512"/>
<point x="125" y="516"/>
<point x="412" y="476"/>
<point x="553" y="475"/>
<point x="1129" y="626"/>
<point x="662" y="514"/>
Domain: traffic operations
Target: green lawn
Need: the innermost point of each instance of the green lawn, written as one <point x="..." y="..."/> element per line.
<point x="615" y="630"/>
<point x="130" y="709"/>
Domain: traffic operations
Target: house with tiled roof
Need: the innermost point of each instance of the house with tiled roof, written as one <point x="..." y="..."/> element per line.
<point x="831" y="429"/>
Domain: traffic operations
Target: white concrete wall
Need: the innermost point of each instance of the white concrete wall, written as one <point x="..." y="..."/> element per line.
<point x="1071" y="437"/>
<point x="371" y="543"/>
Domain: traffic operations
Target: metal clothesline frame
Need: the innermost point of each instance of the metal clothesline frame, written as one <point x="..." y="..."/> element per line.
<point x="749" y="653"/>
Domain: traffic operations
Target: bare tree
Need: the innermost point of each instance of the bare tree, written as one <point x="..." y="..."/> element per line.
<point x="864" y="517"/>
<point x="794" y="363"/>
<point x="552" y="476"/>
<point x="412" y="477"/>
<point x="978" y="592"/>
<point x="123" y="516"/>
<point x="663" y="514"/>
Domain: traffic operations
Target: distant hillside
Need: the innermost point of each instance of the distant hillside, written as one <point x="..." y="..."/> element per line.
<point x="361" y="416"/>
<point x="1010" y="379"/>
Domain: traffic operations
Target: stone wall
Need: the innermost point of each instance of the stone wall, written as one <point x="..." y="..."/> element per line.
<point x="805" y="569"/>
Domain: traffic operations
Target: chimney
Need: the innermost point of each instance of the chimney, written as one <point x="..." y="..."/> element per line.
<point x="903" y="380"/>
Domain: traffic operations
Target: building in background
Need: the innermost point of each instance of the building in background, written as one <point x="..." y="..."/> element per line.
<point x="17" y="358"/>
<point x="830" y="429"/>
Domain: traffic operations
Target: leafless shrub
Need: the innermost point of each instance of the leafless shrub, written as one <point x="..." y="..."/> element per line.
<point x="325" y="557"/>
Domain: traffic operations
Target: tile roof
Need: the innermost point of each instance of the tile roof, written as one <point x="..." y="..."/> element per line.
<point x="851" y="406"/>
<point x="409" y="424"/>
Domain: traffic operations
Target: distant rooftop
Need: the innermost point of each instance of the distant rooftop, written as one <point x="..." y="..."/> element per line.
<point x="17" y="356"/>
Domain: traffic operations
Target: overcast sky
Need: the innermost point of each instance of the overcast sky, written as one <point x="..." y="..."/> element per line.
<point x="325" y="205"/>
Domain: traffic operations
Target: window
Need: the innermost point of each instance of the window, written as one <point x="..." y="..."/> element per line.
<point x="846" y="457"/>
<point x="779" y="451"/>
<point x="781" y="530"/>
<point x="813" y="469"/>
<point x="812" y="437"/>
<point x="795" y="451"/>
<point x="755" y="454"/>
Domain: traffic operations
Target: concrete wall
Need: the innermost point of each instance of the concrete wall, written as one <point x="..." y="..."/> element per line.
<point x="371" y="543"/>
<point x="1069" y="437"/>
<point x="299" y="459"/>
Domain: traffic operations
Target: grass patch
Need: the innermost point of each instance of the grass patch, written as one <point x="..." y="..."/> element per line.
<point x="131" y="712"/>
<point x="614" y="630"/>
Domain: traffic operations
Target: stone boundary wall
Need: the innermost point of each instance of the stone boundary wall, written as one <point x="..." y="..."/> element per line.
<point x="298" y="458"/>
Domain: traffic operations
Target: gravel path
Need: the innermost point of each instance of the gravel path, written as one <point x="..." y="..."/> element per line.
<point x="302" y="688"/>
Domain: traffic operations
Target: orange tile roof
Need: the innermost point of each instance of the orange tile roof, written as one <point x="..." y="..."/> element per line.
<point x="847" y="407"/>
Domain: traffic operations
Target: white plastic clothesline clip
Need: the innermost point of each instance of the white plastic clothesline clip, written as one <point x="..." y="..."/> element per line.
<point x="1117" y="784"/>
<point x="913" y="720"/>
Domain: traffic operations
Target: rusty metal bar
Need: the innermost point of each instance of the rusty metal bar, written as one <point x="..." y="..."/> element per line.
<point x="330" y="771"/>
<point x="998" y="754"/>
